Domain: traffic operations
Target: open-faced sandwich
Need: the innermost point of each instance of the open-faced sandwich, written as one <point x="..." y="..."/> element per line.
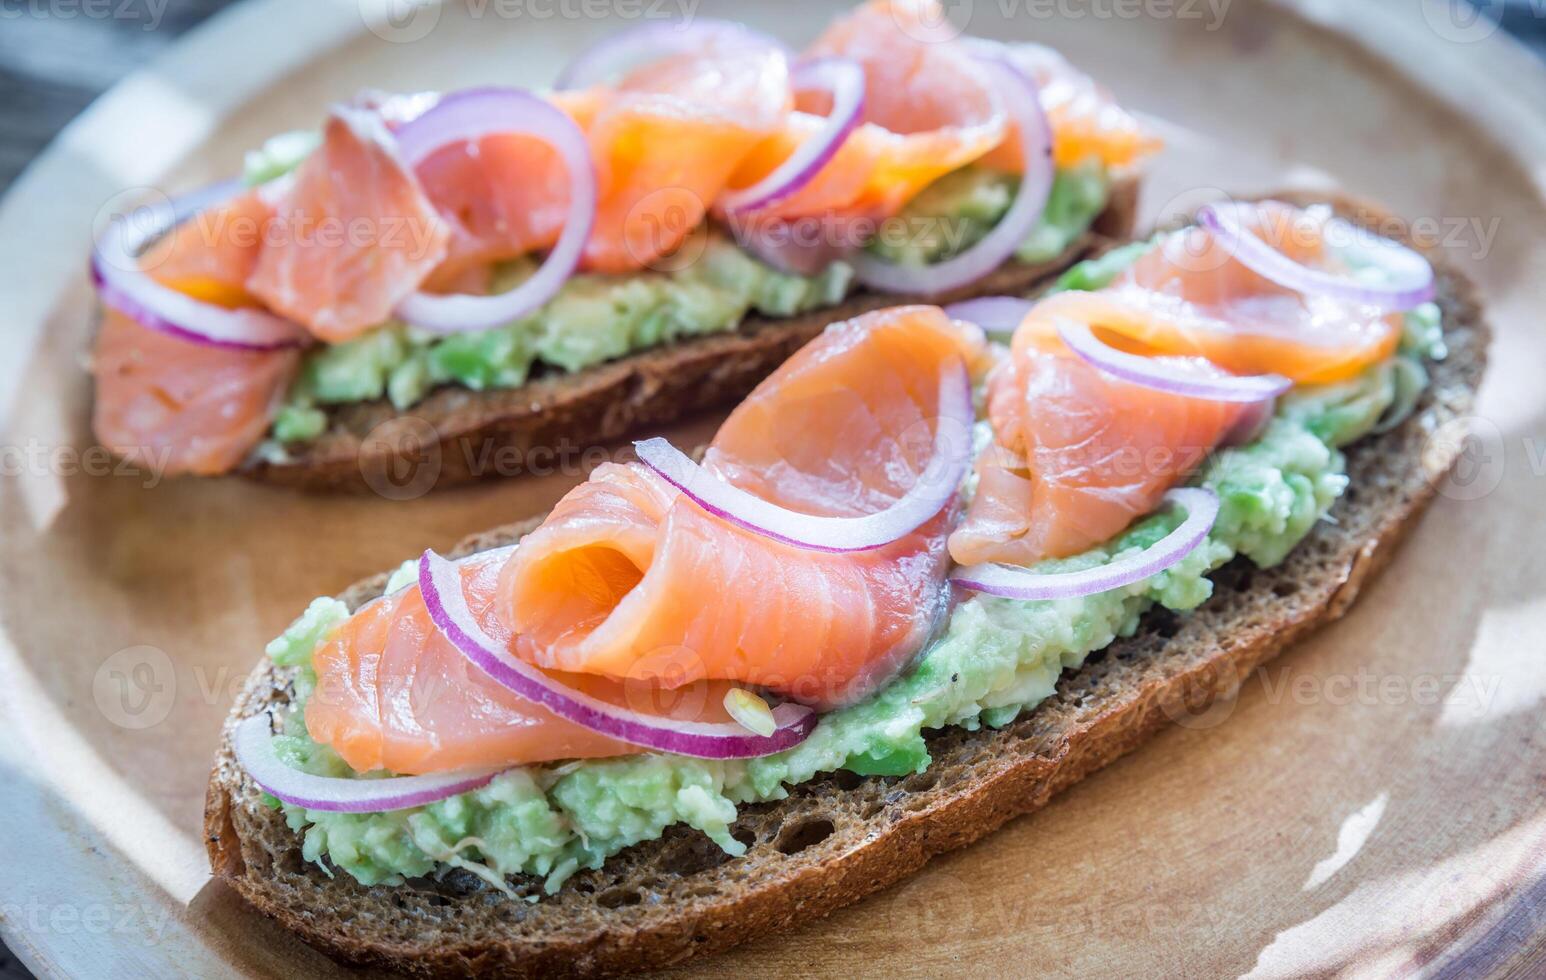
<point x="938" y="566"/>
<point x="492" y="270"/>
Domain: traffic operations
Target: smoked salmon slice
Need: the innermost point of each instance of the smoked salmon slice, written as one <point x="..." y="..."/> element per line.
<point x="352" y="236"/>
<point x="175" y="406"/>
<point x="626" y="572"/>
<point x="670" y="140"/>
<point x="1191" y="297"/>
<point x="613" y="595"/>
<point x="1087" y="123"/>
<point x="666" y="140"/>
<point x="211" y="255"/>
<point x="1249" y="324"/>
<point x="393" y="693"/>
<point x="504" y="196"/>
<point x="1078" y="455"/>
<point x="928" y="110"/>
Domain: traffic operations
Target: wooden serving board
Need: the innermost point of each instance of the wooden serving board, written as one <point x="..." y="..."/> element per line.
<point x="1371" y="803"/>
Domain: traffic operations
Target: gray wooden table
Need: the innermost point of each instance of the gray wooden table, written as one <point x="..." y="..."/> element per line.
<point x="58" y="55"/>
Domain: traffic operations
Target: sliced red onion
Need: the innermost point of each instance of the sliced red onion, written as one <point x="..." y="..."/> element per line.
<point x="123" y="285"/>
<point x="1409" y="276"/>
<point x="931" y="492"/>
<point x="997" y="246"/>
<point x="844" y="78"/>
<point x="440" y="582"/>
<point x="1168" y="375"/>
<point x="469" y="116"/>
<point x="254" y="745"/>
<point x="620" y="52"/>
<point x="998" y="316"/>
<point x="1202" y="509"/>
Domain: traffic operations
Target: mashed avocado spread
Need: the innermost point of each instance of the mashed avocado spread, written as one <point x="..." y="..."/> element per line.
<point x="597" y="318"/>
<point x="996" y="659"/>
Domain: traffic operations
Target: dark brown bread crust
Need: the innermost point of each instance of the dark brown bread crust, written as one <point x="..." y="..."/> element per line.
<point x="840" y="837"/>
<point x="457" y="435"/>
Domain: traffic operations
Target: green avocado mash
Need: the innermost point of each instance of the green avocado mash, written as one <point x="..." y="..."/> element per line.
<point x="597" y="318"/>
<point x="996" y="659"/>
<point x="955" y="212"/>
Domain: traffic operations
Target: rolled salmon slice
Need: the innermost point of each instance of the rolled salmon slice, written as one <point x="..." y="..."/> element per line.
<point x="626" y="573"/>
<point x="633" y="594"/>
<point x="393" y="694"/>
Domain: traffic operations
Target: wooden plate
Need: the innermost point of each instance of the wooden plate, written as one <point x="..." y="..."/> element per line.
<point x="1372" y="802"/>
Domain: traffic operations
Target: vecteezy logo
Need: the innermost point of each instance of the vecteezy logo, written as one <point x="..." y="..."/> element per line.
<point x="1194" y="252"/>
<point x="1463" y="21"/>
<point x="137" y="214"/>
<point x="400" y="459"/>
<point x="658" y="229"/>
<point x="400" y="21"/>
<point x="1464" y="458"/>
<point x="930" y="23"/>
<point x="136" y="687"/>
<point x="1204" y="699"/>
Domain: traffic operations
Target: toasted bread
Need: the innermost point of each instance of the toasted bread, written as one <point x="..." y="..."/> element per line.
<point x="840" y="837"/>
<point x="457" y="435"/>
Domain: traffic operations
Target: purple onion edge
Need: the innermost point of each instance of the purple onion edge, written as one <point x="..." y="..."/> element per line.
<point x="1203" y="390"/>
<point x="1095" y="586"/>
<point x="960" y="271"/>
<point x="748" y="525"/>
<point x="1392" y="299"/>
<point x="151" y="320"/>
<point x="366" y="804"/>
<point x="522" y="300"/>
<point x="554" y="698"/>
<point x="808" y="173"/>
<point x="386" y="804"/>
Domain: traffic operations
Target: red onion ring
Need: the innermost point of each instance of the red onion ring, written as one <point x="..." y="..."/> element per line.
<point x="440" y="582"/>
<point x="1410" y="275"/>
<point x="1202" y="507"/>
<point x="998" y="245"/>
<point x="1167" y="375"/>
<point x="998" y="316"/>
<point x="471" y="115"/>
<point x="622" y="51"/>
<point x="931" y="492"/>
<point x="123" y="285"/>
<point x="254" y="746"/>
<point x="844" y="78"/>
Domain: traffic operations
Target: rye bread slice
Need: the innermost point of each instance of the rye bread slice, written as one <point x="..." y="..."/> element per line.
<point x="840" y="837"/>
<point x="457" y="435"/>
